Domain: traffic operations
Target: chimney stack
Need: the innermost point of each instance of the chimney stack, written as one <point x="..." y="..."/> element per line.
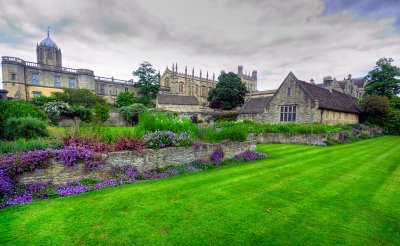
<point x="312" y="81"/>
<point x="240" y="70"/>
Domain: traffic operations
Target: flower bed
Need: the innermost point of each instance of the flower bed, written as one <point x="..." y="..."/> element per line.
<point x="12" y="193"/>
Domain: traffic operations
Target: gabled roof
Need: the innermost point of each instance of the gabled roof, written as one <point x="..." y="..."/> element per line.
<point x="334" y="100"/>
<point x="255" y="105"/>
<point x="177" y="100"/>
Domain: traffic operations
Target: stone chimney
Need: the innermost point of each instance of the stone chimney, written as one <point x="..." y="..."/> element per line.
<point x="240" y="70"/>
<point x="312" y="81"/>
<point x="254" y="75"/>
<point x="328" y="83"/>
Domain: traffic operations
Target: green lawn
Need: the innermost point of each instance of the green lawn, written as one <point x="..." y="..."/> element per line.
<point x="343" y="194"/>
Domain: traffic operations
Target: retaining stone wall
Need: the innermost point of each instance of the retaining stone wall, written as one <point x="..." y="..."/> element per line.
<point x="289" y="138"/>
<point x="148" y="160"/>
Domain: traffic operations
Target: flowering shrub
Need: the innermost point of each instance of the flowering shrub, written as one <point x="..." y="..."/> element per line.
<point x="163" y="139"/>
<point x="87" y="143"/>
<point x="197" y="145"/>
<point x="133" y="144"/>
<point x="356" y="133"/>
<point x="343" y="136"/>
<point x="217" y="156"/>
<point x="71" y="188"/>
<point x="55" y="109"/>
<point x="250" y="155"/>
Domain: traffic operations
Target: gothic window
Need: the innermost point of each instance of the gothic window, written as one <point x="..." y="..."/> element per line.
<point x="180" y="87"/>
<point x="166" y="82"/>
<point x="197" y="90"/>
<point x="17" y="95"/>
<point x="288" y="113"/>
<point x="72" y="83"/>
<point x="289" y="91"/>
<point x="35" y="79"/>
<point x="203" y="91"/>
<point x="13" y="76"/>
<point x="57" y="81"/>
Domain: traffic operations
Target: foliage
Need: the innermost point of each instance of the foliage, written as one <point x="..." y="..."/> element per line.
<point x="28" y="127"/>
<point x="225" y="117"/>
<point x="42" y="100"/>
<point x="216" y="104"/>
<point x="229" y="91"/>
<point x="164" y="122"/>
<point x="101" y="112"/>
<point x="375" y="110"/>
<point x="125" y="99"/>
<point x="236" y="133"/>
<point x="250" y="155"/>
<point x="55" y="109"/>
<point x="83" y="113"/>
<point x="102" y="134"/>
<point x="148" y="83"/>
<point x="83" y="97"/>
<point x="24" y="145"/>
<point x="383" y="80"/>
<point x="131" y="144"/>
<point x="393" y="124"/>
<point x="18" y="109"/>
<point x="129" y="111"/>
<point x="163" y="139"/>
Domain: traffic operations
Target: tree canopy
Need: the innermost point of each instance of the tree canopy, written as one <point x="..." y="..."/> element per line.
<point x="82" y="97"/>
<point x="125" y="99"/>
<point x="148" y="84"/>
<point x="383" y="80"/>
<point x="229" y="91"/>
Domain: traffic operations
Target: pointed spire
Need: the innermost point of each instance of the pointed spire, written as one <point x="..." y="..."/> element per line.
<point x="200" y="73"/>
<point x="185" y="70"/>
<point x="48" y="32"/>
<point x="173" y="67"/>
<point x="213" y="76"/>
<point x="207" y="74"/>
<point x="193" y="72"/>
<point x="176" y="67"/>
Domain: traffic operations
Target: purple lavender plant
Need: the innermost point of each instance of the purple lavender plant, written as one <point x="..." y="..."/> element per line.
<point x="217" y="156"/>
<point x="71" y="188"/>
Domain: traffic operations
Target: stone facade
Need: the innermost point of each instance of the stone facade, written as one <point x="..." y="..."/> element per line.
<point x="25" y="80"/>
<point x="150" y="159"/>
<point x="186" y="84"/>
<point x="353" y="87"/>
<point x="296" y="101"/>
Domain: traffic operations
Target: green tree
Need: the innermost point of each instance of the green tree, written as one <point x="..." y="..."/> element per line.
<point x="129" y="111"/>
<point x="375" y="110"/>
<point x="148" y="83"/>
<point x="101" y="112"/>
<point x="229" y="91"/>
<point x="383" y="80"/>
<point x="83" y="97"/>
<point x="125" y="99"/>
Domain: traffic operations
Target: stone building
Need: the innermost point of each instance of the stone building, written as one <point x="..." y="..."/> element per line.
<point x="301" y="102"/>
<point x="25" y="80"/>
<point x="351" y="86"/>
<point x="178" y="103"/>
<point x="185" y="84"/>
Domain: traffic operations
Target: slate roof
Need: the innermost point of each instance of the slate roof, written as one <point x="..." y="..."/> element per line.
<point x="255" y="105"/>
<point x="334" y="100"/>
<point x="177" y="100"/>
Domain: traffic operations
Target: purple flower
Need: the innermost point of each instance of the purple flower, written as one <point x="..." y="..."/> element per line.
<point x="71" y="188"/>
<point x="217" y="156"/>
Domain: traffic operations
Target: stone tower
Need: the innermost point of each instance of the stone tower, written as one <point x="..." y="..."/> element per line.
<point x="48" y="53"/>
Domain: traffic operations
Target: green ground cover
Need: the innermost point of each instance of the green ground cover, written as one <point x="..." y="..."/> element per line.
<point x="342" y="194"/>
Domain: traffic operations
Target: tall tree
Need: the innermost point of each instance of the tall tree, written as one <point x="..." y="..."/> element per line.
<point x="383" y="80"/>
<point x="229" y="91"/>
<point x="148" y="83"/>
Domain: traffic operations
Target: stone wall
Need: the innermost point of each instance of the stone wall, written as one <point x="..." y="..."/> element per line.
<point x="116" y="119"/>
<point x="289" y="138"/>
<point x="148" y="160"/>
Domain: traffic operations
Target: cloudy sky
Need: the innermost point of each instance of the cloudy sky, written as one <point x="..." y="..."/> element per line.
<point x="312" y="38"/>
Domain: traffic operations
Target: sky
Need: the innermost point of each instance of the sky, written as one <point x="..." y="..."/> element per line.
<point x="311" y="38"/>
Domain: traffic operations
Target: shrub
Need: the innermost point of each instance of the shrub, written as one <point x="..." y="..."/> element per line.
<point x="225" y="117"/>
<point x="42" y="100"/>
<point x="236" y="133"/>
<point x="15" y="128"/>
<point x="163" y="139"/>
<point x="125" y="99"/>
<point x="55" y="109"/>
<point x="162" y="122"/>
<point x="101" y="112"/>
<point x="250" y="155"/>
<point x="129" y="111"/>
<point x="375" y="110"/>
<point x="133" y="144"/>
<point x="393" y="125"/>
<point x="83" y="97"/>
<point x="82" y="113"/>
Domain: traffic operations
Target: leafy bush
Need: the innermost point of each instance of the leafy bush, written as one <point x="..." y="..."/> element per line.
<point x="82" y="113"/>
<point x="101" y="112"/>
<point x="108" y="135"/>
<point x="163" y="139"/>
<point x="375" y="110"/>
<point x="83" y="97"/>
<point x="217" y="156"/>
<point x="42" y="100"/>
<point x="55" y="109"/>
<point x="28" y="127"/>
<point x="236" y="133"/>
<point x="24" y="145"/>
<point x="393" y="124"/>
<point x="250" y="155"/>
<point x="129" y="111"/>
<point x="133" y="144"/>
<point x="224" y="117"/>
<point x="162" y="122"/>
<point x="125" y="99"/>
